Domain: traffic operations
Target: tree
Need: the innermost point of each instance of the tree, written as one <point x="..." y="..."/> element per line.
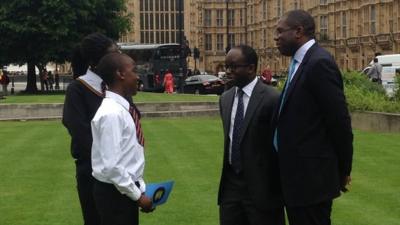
<point x="40" y="31"/>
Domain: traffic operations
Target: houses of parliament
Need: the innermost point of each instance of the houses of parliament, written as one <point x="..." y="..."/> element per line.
<point x="353" y="31"/>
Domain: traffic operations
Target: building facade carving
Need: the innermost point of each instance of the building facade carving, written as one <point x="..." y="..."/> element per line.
<point x="352" y="30"/>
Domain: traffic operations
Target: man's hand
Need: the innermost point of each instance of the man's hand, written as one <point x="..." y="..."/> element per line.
<point x="346" y="181"/>
<point x="145" y="203"/>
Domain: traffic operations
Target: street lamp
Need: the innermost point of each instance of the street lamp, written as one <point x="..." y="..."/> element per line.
<point x="180" y="75"/>
<point x="228" y="47"/>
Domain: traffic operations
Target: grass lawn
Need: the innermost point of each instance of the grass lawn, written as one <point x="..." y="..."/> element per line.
<point x="37" y="185"/>
<point x="140" y="97"/>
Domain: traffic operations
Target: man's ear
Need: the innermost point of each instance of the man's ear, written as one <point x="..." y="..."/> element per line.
<point x="299" y="31"/>
<point x="252" y="68"/>
<point x="120" y="75"/>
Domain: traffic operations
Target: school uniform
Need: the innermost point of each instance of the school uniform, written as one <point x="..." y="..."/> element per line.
<point x="117" y="161"/>
<point x="83" y="98"/>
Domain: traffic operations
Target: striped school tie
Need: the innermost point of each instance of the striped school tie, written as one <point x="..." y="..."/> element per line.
<point x="136" y="118"/>
<point x="103" y="88"/>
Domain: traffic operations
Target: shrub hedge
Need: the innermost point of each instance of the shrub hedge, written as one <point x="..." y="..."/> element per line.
<point x="364" y="95"/>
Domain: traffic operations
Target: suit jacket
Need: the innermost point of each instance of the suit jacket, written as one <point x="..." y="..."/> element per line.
<point x="314" y="132"/>
<point x="259" y="160"/>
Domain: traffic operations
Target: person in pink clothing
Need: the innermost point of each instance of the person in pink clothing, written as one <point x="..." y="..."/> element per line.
<point x="266" y="76"/>
<point x="168" y="82"/>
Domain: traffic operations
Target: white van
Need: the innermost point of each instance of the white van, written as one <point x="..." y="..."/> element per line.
<point x="390" y="67"/>
<point x="384" y="60"/>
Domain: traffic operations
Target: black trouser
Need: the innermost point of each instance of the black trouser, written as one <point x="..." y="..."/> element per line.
<point x="237" y="207"/>
<point x="114" y="208"/>
<point x="318" y="214"/>
<point x="85" y="183"/>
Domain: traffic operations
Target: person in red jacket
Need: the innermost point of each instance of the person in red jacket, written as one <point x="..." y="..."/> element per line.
<point x="266" y="76"/>
<point x="168" y="82"/>
<point x="4" y="81"/>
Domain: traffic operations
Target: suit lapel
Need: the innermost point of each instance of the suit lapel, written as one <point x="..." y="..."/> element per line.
<point x="227" y="104"/>
<point x="254" y="101"/>
<point x="298" y="74"/>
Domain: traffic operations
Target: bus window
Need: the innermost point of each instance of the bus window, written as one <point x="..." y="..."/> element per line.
<point x="155" y="59"/>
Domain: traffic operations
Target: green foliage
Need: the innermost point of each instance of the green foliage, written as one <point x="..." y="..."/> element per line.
<point x="37" y="32"/>
<point x="364" y="95"/>
<point x="396" y="96"/>
<point x="38" y="186"/>
<point x="46" y="30"/>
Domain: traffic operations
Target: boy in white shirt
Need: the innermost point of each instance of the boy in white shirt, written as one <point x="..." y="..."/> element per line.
<point x="117" y="152"/>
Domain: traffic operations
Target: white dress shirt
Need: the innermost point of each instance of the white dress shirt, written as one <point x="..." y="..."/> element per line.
<point x="117" y="156"/>
<point x="248" y="89"/>
<point x="93" y="80"/>
<point x="300" y="53"/>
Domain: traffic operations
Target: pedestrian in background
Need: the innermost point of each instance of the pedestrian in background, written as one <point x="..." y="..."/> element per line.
<point x="57" y="81"/>
<point x="375" y="72"/>
<point x="266" y="75"/>
<point x="168" y="82"/>
<point x="50" y="80"/>
<point x="4" y="81"/>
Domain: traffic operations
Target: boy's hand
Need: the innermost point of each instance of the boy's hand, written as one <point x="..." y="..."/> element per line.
<point x="145" y="203"/>
<point x="345" y="183"/>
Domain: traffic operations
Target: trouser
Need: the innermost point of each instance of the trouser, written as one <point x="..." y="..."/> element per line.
<point x="238" y="208"/>
<point x="114" y="208"/>
<point x="318" y="214"/>
<point x="85" y="184"/>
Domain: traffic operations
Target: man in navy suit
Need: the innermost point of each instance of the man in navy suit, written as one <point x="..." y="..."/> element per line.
<point x="313" y="134"/>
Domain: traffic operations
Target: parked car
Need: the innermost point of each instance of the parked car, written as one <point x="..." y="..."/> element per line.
<point x="204" y="84"/>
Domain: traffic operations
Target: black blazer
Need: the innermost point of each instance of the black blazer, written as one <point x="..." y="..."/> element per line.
<point x="259" y="160"/>
<point x="314" y="132"/>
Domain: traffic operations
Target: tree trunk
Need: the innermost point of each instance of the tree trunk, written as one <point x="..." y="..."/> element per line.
<point x="31" y="82"/>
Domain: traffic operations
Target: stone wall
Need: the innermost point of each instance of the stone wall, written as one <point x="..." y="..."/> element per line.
<point x="366" y="121"/>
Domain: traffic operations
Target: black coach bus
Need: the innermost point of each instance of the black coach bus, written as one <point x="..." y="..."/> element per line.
<point x="153" y="61"/>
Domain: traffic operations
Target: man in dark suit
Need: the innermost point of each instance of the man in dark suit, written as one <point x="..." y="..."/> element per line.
<point x="249" y="192"/>
<point x="313" y="135"/>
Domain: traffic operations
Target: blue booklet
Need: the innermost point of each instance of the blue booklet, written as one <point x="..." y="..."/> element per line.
<point x="159" y="192"/>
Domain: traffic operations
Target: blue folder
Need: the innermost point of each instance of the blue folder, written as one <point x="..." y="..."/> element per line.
<point x="159" y="192"/>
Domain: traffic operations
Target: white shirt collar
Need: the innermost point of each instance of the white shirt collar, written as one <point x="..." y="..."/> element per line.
<point x="118" y="98"/>
<point x="301" y="52"/>
<point x="92" y="79"/>
<point x="248" y="89"/>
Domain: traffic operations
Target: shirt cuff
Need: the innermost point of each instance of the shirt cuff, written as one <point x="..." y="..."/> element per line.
<point x="142" y="185"/>
<point x="135" y="195"/>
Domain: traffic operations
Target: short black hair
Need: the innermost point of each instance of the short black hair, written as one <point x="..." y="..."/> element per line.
<point x="109" y="65"/>
<point x="249" y="54"/>
<point x="376" y="59"/>
<point x="296" y="18"/>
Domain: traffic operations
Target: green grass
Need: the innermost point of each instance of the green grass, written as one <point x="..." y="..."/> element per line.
<point x="140" y="97"/>
<point x="37" y="186"/>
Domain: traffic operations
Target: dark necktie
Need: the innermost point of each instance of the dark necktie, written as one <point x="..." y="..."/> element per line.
<point x="103" y="88"/>
<point x="136" y="118"/>
<point x="237" y="126"/>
